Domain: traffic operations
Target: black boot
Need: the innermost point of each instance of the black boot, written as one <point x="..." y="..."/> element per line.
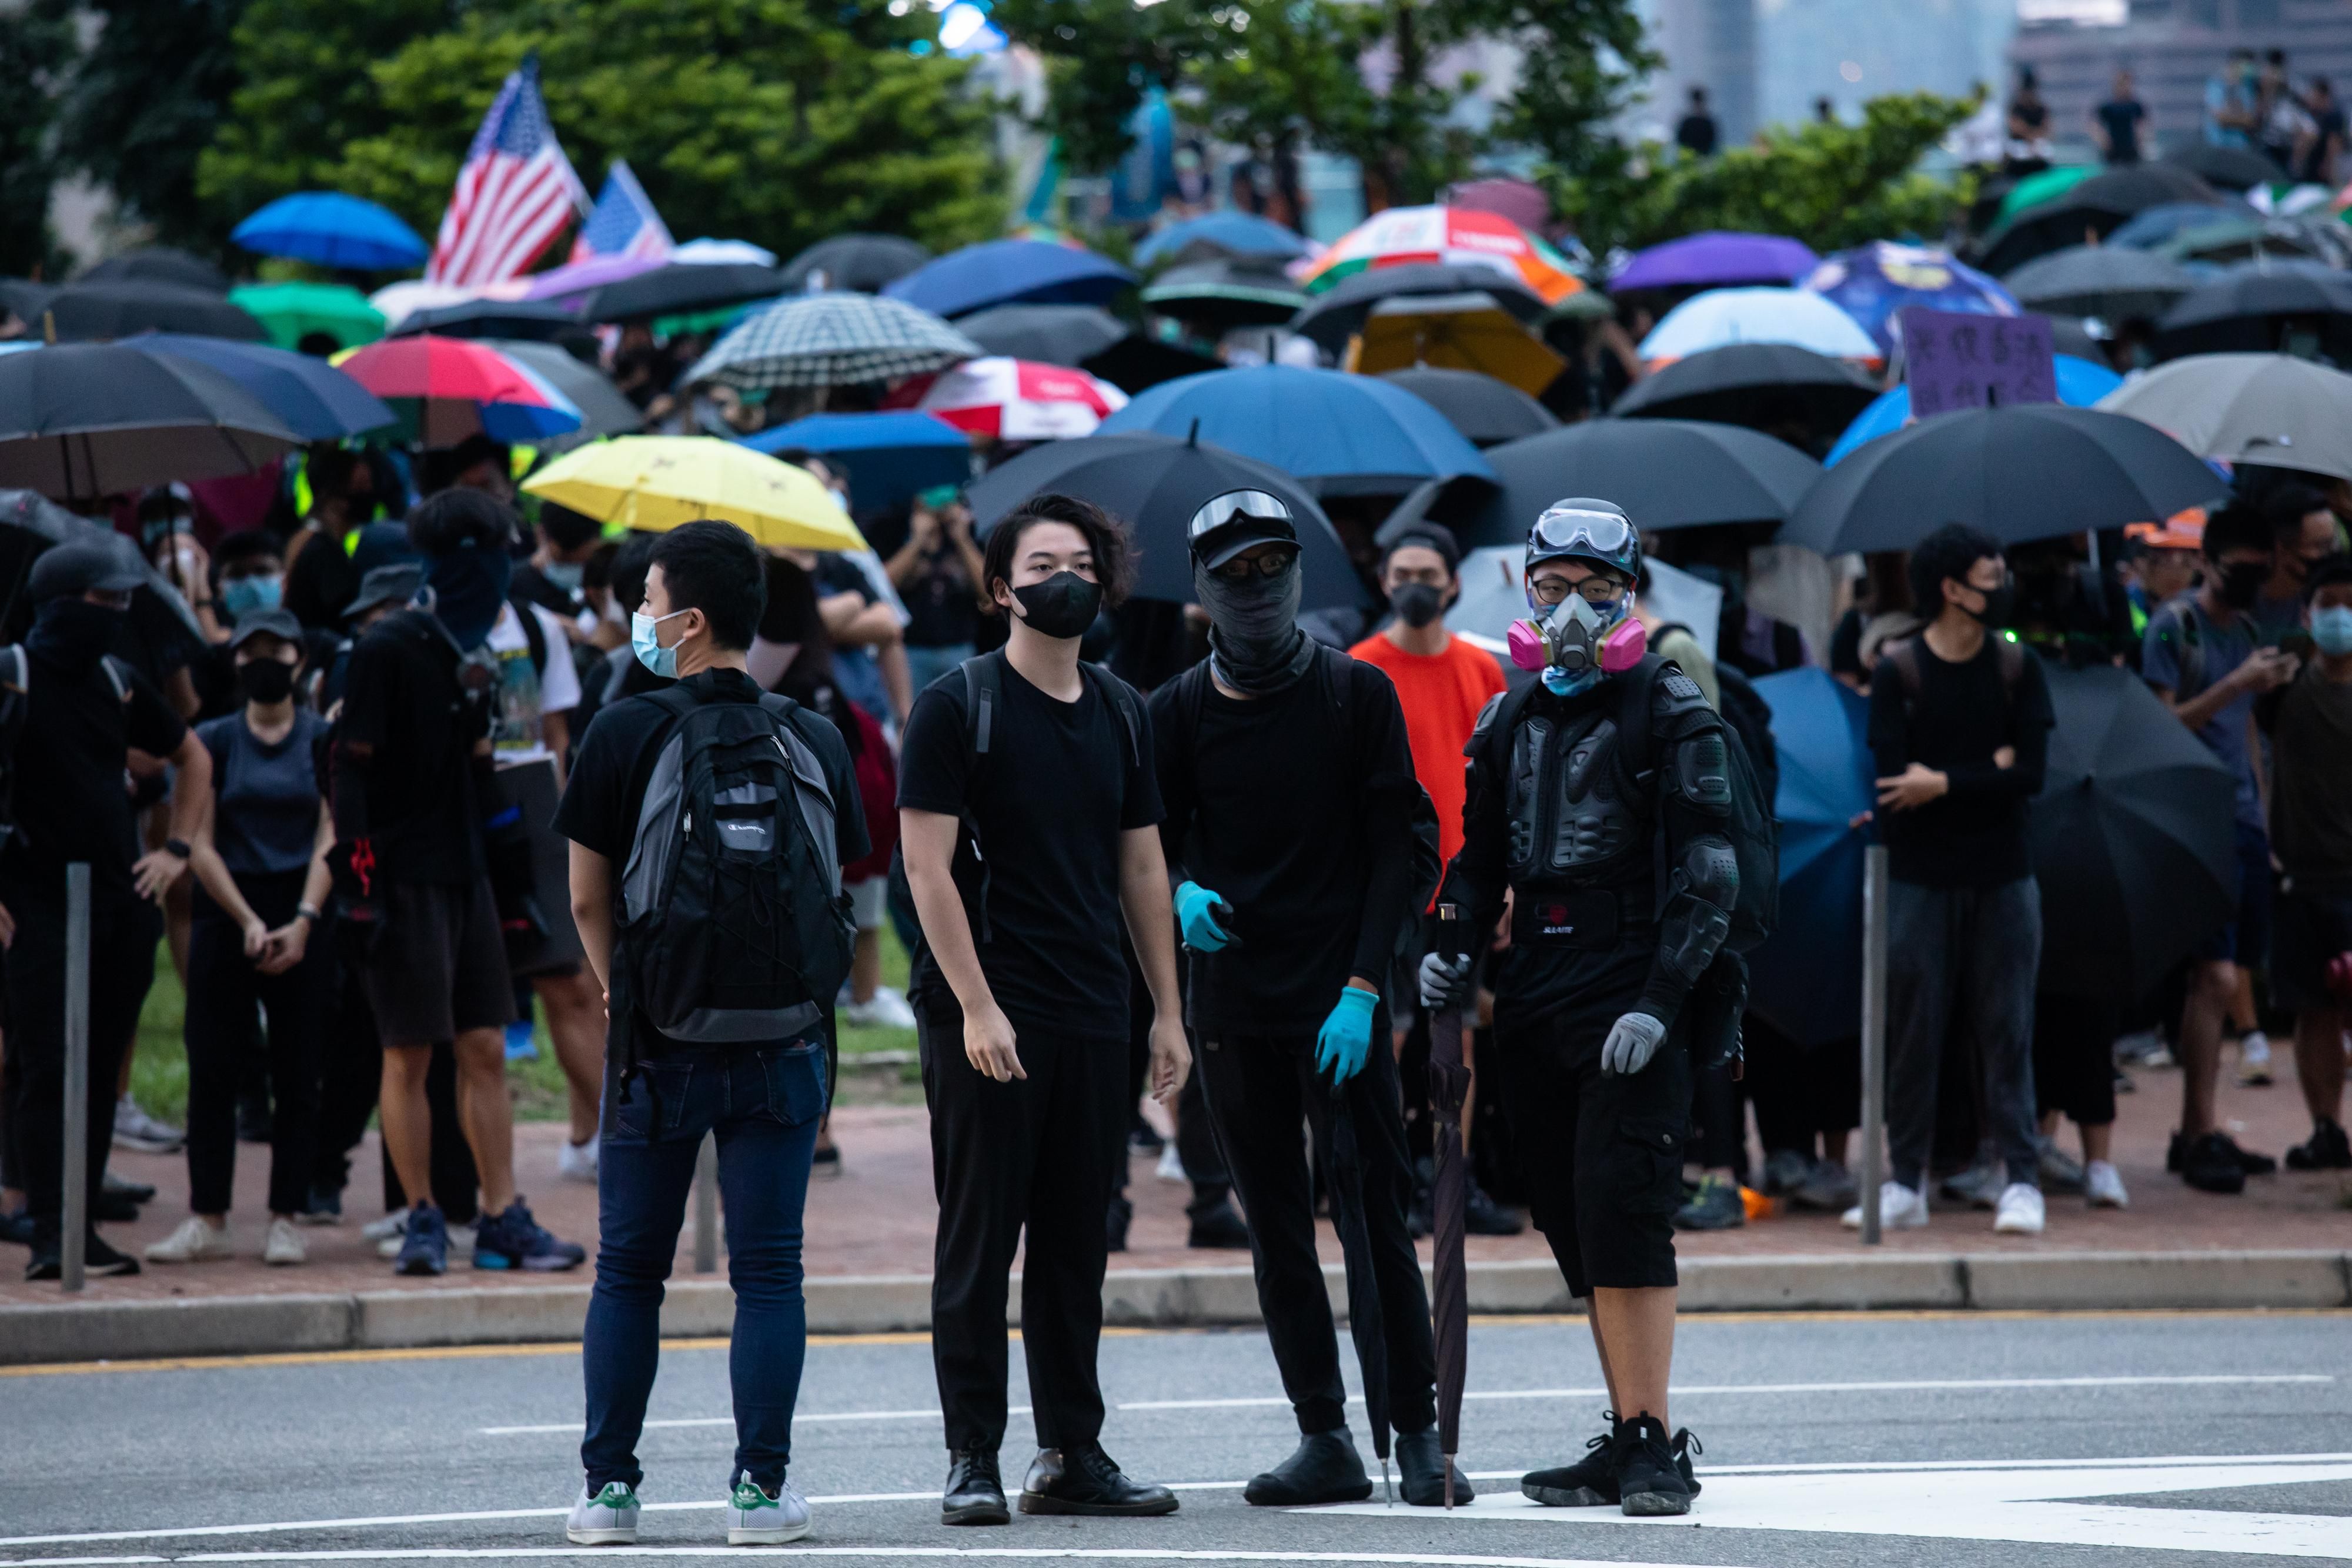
<point x="1591" y="1482"/>
<point x="975" y="1494"/>
<point x="1324" y="1468"/>
<point x="1087" y="1481"/>
<point x="1649" y="1480"/>
<point x="1421" y="1471"/>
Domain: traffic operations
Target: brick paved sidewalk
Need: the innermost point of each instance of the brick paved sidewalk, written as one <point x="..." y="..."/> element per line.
<point x="878" y="1217"/>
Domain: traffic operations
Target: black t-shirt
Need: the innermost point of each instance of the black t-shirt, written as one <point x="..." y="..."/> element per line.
<point x="1057" y="788"/>
<point x="72" y="800"/>
<point x="2121" y="119"/>
<point x="321" y="582"/>
<point x="1296" y="815"/>
<point x="940" y="609"/>
<point x="2327" y="125"/>
<point x="1697" y="134"/>
<point x="1975" y="835"/>
<point x="529" y="585"/>
<point x="403" y="697"/>
<point x="1845" y="644"/>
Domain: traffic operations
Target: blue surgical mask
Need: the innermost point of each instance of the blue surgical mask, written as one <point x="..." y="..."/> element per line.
<point x="567" y="575"/>
<point x="661" y="661"/>
<point x="2331" y="628"/>
<point x="242" y="595"/>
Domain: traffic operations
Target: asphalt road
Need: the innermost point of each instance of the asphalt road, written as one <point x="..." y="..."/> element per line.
<point x="1920" y="1439"/>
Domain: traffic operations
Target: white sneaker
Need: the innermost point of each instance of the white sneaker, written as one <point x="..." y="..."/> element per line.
<point x="888" y="1009"/>
<point x="608" y="1518"/>
<point x="194" y="1242"/>
<point x="135" y="1129"/>
<point x="2255" y="1060"/>
<point x="1899" y="1208"/>
<point x="2020" y="1212"/>
<point x="577" y="1161"/>
<point x="2105" y="1186"/>
<point x="1171" y="1164"/>
<point x="284" y="1244"/>
<point x="755" y="1519"/>
<point x="392" y="1224"/>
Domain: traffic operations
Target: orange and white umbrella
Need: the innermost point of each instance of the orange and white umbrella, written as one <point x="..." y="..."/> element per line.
<point x="1462" y="236"/>
<point x="1016" y="400"/>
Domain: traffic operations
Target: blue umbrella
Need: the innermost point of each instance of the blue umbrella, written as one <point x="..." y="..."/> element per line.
<point x="1337" y="434"/>
<point x="890" y="457"/>
<point x="2152" y="226"/>
<point x="318" y="401"/>
<point x="1217" y="235"/>
<point x="1873" y="281"/>
<point x="333" y="230"/>
<point x="1010" y="272"/>
<point x="1806" y="980"/>
<point x="2081" y="383"/>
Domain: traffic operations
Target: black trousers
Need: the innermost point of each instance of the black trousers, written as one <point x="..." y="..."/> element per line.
<point x="1801" y="1092"/>
<point x="1038" y="1155"/>
<point x="223" y="990"/>
<point x="122" y="937"/>
<point x="350" y="1076"/>
<point x="1260" y="1089"/>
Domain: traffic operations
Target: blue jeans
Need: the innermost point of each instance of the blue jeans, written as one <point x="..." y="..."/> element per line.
<point x="762" y="1103"/>
<point x="925" y="665"/>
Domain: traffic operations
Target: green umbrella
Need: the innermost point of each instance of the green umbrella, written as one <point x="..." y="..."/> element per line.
<point x="293" y="311"/>
<point x="2041" y="187"/>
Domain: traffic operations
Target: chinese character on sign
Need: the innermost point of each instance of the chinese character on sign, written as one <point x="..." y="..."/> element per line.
<point x="1954" y="359"/>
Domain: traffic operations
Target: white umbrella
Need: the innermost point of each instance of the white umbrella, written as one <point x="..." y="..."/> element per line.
<point x="1725" y="316"/>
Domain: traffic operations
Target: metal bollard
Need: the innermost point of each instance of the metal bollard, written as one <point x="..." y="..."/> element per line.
<point x="76" y="1216"/>
<point x="705" y="1207"/>
<point x="1873" y="1036"/>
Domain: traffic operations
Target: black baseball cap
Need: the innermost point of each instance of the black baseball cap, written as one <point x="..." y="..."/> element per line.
<point x="277" y="623"/>
<point x="1238" y="521"/>
<point x="82" y="567"/>
<point x="394" y="584"/>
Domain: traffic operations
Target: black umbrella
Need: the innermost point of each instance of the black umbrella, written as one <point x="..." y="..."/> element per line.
<point x="2132" y="837"/>
<point x="2029" y="471"/>
<point x="1154" y="484"/>
<point x="30" y="524"/>
<point x="2225" y="168"/>
<point x="1449" y="1300"/>
<point x="1772" y="387"/>
<point x="81" y="312"/>
<point x="1337" y="313"/>
<point x="1047" y="334"/>
<point x="2070" y="335"/>
<point x="1138" y="363"/>
<point x="1365" y="1327"/>
<point x="1665" y="473"/>
<point x="2112" y="281"/>
<point x="860" y="263"/>
<point x="1219" y="296"/>
<point x="160" y="264"/>
<point x="1483" y="409"/>
<point x="88" y="420"/>
<point x="2095" y="208"/>
<point x="530" y="319"/>
<point x="683" y="288"/>
<point x="2261" y="307"/>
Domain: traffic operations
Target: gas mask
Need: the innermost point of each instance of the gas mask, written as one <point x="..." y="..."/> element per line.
<point x="1575" y="643"/>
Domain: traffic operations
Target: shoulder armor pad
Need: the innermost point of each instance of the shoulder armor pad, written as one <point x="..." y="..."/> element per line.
<point x="1479" y="731"/>
<point x="1674" y="700"/>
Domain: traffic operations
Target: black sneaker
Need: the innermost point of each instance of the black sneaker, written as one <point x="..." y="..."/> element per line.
<point x="1115" y="1223"/>
<point x="2210" y="1164"/>
<point x="1421" y="1471"/>
<point x="1087" y="1481"/>
<point x="1482" y="1216"/>
<point x="1716" y="1206"/>
<point x="136" y="1191"/>
<point x="1649" y="1478"/>
<point x="515" y="1240"/>
<point x="975" y="1491"/>
<point x="98" y="1260"/>
<point x="2249" y="1163"/>
<point x="1685" y="1446"/>
<point x="1591" y="1482"/>
<point x="114" y="1208"/>
<point x="1324" y="1468"/>
<point x="2328" y="1149"/>
<point x="19" y="1228"/>
<point x="1219" y="1227"/>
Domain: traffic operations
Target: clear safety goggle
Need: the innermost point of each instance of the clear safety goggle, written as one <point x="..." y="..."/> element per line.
<point x="1565" y="530"/>
<point x="1234" y="504"/>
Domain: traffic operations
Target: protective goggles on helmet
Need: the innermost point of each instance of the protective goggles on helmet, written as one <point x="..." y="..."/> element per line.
<point x="1588" y="530"/>
<point x="1235" y="521"/>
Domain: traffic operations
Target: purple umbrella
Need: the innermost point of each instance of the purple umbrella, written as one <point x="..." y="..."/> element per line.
<point x="1719" y="259"/>
<point x="566" y="284"/>
<point x="1875" y="281"/>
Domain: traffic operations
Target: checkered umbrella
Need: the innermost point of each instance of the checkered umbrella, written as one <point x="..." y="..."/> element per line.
<point x="832" y="340"/>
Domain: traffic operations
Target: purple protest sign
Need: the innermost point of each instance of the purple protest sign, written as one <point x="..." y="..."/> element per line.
<point x="1954" y="359"/>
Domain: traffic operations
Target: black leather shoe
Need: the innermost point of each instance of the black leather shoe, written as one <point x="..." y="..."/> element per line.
<point x="1421" y="1471"/>
<point x="136" y="1191"/>
<point x="1649" y="1480"/>
<point x="1219" y="1227"/>
<point x="975" y="1494"/>
<point x="1324" y="1468"/>
<point x="1087" y="1481"/>
<point x="1591" y="1482"/>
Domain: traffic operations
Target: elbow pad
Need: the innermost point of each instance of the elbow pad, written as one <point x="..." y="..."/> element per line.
<point x="1698" y="913"/>
<point x="1701" y="774"/>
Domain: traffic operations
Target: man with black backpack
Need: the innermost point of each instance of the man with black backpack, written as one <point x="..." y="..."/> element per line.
<point x="1605" y="799"/>
<point x="708" y="822"/>
<point x="1295" y="899"/>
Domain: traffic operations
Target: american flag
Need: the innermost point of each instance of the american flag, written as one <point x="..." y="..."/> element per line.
<point x="514" y="194"/>
<point x="624" y="222"/>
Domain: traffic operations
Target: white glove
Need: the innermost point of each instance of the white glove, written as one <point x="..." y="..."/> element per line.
<point x="1632" y="1040"/>
<point x="1443" y="980"/>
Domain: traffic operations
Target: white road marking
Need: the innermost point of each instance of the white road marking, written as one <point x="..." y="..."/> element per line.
<point x="1014" y="1553"/>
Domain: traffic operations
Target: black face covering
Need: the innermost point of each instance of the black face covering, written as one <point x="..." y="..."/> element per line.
<point x="1416" y="604"/>
<point x="73" y="634"/>
<point x="2242" y="583"/>
<point x="1064" y="605"/>
<point x="1254" y="643"/>
<point x="266" y="680"/>
<point x="1998" y="604"/>
<point x="469" y="584"/>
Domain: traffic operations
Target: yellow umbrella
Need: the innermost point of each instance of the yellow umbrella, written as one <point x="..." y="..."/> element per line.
<point x="657" y="482"/>
<point x="1455" y="332"/>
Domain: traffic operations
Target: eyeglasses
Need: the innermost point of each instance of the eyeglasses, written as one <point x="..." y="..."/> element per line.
<point x="1552" y="590"/>
<point x="1273" y="563"/>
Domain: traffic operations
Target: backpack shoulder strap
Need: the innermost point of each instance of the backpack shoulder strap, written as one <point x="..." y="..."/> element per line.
<point x="15" y="669"/>
<point x="534" y="636"/>
<point x="118" y="675"/>
<point x="1121" y="698"/>
<point x="983" y="699"/>
<point x="1636" y="696"/>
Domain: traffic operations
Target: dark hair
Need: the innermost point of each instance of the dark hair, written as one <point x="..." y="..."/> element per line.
<point x="714" y="567"/>
<point x="440" y="466"/>
<point x="1425" y="538"/>
<point x="246" y="544"/>
<point x="1948" y="552"/>
<point x="330" y="469"/>
<point x="447" y="518"/>
<point x="792" y="616"/>
<point x="1105" y="536"/>
<point x="2289" y="504"/>
<point x="2326" y="572"/>
<point x="627" y="573"/>
<point x="2319" y="84"/>
<point x="565" y="529"/>
<point x="2239" y="526"/>
<point x="1697" y="94"/>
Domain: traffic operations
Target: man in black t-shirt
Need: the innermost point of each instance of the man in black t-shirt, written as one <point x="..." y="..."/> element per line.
<point x="1293" y="903"/>
<point x="1960" y="726"/>
<point x="2120" y="125"/>
<point x="1021" y="1000"/>
<point x="82" y="712"/>
<point x="1697" y="133"/>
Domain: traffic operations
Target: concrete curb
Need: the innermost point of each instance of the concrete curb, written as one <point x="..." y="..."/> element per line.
<point x="1174" y="1297"/>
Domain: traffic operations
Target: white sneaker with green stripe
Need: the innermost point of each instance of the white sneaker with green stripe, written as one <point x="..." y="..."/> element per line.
<point x="608" y="1518"/>
<point x="756" y="1517"/>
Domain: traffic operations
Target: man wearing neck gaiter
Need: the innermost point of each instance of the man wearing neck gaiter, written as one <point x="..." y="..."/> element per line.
<point x="1290" y="795"/>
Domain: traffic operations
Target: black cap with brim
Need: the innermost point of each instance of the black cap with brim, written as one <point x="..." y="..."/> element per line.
<point x="84" y="567"/>
<point x="385" y="585"/>
<point x="277" y="623"/>
<point x="1237" y="521"/>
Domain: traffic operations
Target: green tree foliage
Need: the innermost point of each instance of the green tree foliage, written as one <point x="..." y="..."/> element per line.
<point x="36" y="46"/>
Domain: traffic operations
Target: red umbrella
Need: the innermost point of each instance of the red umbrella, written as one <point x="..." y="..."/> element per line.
<point x="448" y="388"/>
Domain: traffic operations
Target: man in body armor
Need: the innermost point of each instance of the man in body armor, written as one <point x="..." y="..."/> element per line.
<point x="1598" y="799"/>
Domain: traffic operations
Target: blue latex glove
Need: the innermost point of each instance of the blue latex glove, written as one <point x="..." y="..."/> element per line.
<point x="1347" y="1036"/>
<point x="1196" y="912"/>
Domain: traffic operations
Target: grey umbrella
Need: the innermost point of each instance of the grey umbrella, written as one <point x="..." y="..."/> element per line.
<point x="2248" y="408"/>
<point x="2111" y="281"/>
<point x="97" y="419"/>
<point x="603" y="411"/>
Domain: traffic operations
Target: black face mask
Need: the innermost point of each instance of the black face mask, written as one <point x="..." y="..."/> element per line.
<point x="73" y="634"/>
<point x="2242" y="583"/>
<point x="1416" y="603"/>
<point x="1997" y="605"/>
<point x="1064" y="605"/>
<point x="266" y="680"/>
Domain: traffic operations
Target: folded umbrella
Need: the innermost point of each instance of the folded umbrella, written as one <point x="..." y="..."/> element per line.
<point x="1012" y="399"/>
<point x="683" y="288"/>
<point x="2261" y="306"/>
<point x="1010" y="272"/>
<point x="1221" y="235"/>
<point x="448" y="388"/>
<point x="1873" y="282"/>
<point x="2092" y="209"/>
<point x="1719" y="259"/>
<point x="1726" y="316"/>
<point x="2111" y="281"/>
<point x="83" y="312"/>
<point x="1219" y="295"/>
<point x="1458" y="332"/>
<point x="1154" y="484"/>
<point x="1483" y="409"/>
<point x="1771" y="387"/>
<point x="605" y="409"/>
<point x="82" y="421"/>
<point x="536" y="320"/>
<point x="832" y="340"/>
<point x="1457" y="235"/>
<point x="2081" y="384"/>
<point x="159" y="263"/>
<point x="333" y="230"/>
<point x="290" y="312"/>
<point x="316" y="401"/>
<point x="655" y="482"/>
<point x="889" y="458"/>
<point x="1806" y="980"/>
<point x="1339" y="312"/>
<point x="1449" y="1204"/>
<point x="862" y="264"/>
<point x="2248" y="408"/>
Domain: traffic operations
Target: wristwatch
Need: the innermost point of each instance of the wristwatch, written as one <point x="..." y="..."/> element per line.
<point x="308" y="912"/>
<point x="179" y="848"/>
